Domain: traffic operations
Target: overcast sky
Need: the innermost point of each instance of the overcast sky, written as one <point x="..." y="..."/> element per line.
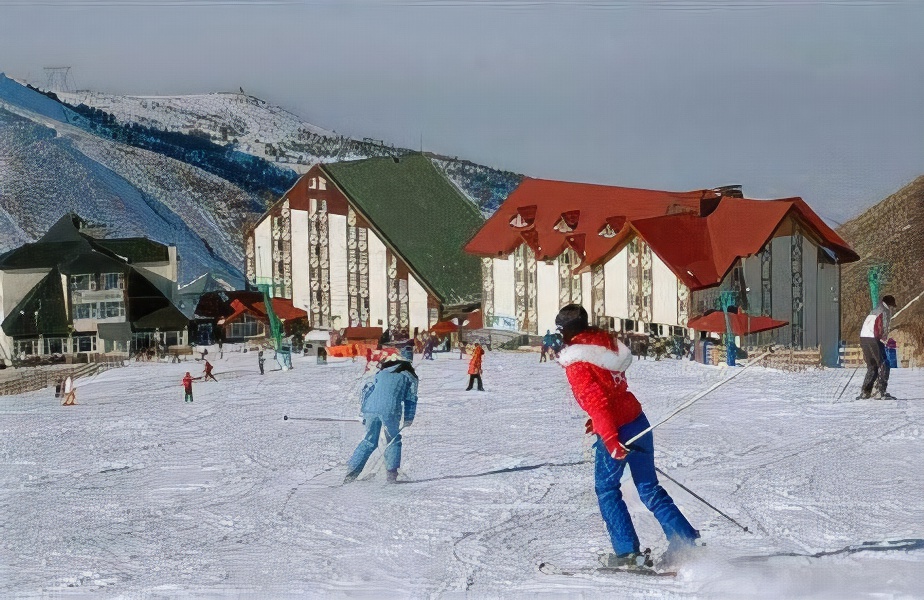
<point x="823" y="100"/>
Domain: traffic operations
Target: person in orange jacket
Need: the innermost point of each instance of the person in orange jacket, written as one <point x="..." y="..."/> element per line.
<point x="474" y="368"/>
<point x="187" y="387"/>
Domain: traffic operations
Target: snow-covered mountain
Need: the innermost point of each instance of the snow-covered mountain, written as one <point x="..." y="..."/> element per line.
<point x="185" y="170"/>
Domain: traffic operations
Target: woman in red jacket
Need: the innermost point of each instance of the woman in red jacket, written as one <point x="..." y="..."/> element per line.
<point x="595" y="365"/>
<point x="474" y="368"/>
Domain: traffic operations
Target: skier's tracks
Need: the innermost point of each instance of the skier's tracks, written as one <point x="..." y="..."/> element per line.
<point x="495" y="472"/>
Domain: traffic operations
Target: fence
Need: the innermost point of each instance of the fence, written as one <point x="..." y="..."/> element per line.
<point x="38" y="378"/>
<point x="852" y="356"/>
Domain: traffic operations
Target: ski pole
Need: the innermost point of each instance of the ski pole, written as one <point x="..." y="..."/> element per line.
<point x="338" y="420"/>
<point x="703" y="500"/>
<point x="848" y="383"/>
<point x="689" y="403"/>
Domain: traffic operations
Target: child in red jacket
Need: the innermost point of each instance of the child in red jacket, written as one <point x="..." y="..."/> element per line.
<point x="595" y="365"/>
<point x="187" y="387"/>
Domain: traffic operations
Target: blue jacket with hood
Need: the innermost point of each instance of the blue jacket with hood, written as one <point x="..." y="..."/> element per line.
<point x="394" y="388"/>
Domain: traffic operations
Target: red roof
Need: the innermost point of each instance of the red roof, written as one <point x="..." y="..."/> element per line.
<point x="741" y="323"/>
<point x="701" y="250"/>
<point x="282" y="307"/>
<point x="581" y="211"/>
<point x="699" y="235"/>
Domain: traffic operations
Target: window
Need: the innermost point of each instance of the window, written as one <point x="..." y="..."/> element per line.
<point x="322" y="183"/>
<point x="108" y="310"/>
<point x="27" y="347"/>
<point x="81" y="282"/>
<point x="313" y="183"/>
<point x="113" y="281"/>
<point x="55" y="345"/>
<point x="85" y="311"/>
<point x="85" y="343"/>
<point x="246" y="327"/>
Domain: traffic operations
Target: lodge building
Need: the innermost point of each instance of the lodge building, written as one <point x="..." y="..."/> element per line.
<point x="369" y="243"/>
<point x="71" y="292"/>
<point x="648" y="261"/>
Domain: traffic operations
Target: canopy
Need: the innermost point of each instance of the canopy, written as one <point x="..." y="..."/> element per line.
<point x="741" y="323"/>
<point x="444" y="327"/>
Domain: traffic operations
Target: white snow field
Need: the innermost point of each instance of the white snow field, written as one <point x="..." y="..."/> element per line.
<point x="135" y="494"/>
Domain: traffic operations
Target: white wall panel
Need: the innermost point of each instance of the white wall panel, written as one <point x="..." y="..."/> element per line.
<point x="663" y="293"/>
<point x="417" y="306"/>
<point x="263" y="245"/>
<point x="339" y="299"/>
<point x="503" y="288"/>
<point x="301" y="280"/>
<point x="616" y="278"/>
<point x="546" y="295"/>
<point x="781" y="284"/>
<point x="378" y="283"/>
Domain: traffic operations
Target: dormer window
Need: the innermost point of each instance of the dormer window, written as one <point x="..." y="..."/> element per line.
<point x="568" y="221"/>
<point x="524" y="217"/>
<point x="607" y="231"/>
<point x="313" y="183"/>
<point x="612" y="227"/>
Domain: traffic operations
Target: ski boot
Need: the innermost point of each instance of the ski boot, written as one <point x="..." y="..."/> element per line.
<point x="884" y="396"/>
<point x="863" y="396"/>
<point x="351" y="477"/>
<point x="629" y="560"/>
<point x="391" y="476"/>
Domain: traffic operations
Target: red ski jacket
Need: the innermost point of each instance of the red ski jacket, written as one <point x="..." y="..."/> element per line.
<point x="187" y="383"/>
<point x="474" y="365"/>
<point x="594" y="363"/>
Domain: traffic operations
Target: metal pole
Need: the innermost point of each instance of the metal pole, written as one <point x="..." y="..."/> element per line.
<point x="689" y="402"/>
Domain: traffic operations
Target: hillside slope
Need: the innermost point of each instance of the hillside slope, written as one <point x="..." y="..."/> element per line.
<point x="891" y="234"/>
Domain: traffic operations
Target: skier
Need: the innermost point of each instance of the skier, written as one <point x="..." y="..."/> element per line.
<point x="187" y="387"/>
<point x="546" y="346"/>
<point x="873" y="335"/>
<point x="595" y="365"/>
<point x="208" y="372"/>
<point x="70" y="392"/>
<point x="428" y="348"/>
<point x="474" y="368"/>
<point x="260" y="361"/>
<point x="391" y="392"/>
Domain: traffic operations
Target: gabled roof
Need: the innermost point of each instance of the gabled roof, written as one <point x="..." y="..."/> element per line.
<point x="168" y="318"/>
<point x="701" y="250"/>
<point x="421" y="216"/>
<point x="136" y="249"/>
<point x="283" y="308"/>
<point x="551" y="216"/>
<point x="46" y="299"/>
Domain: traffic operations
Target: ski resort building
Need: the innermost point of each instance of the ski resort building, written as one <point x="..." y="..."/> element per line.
<point x="71" y="292"/>
<point x="647" y="261"/>
<point x="369" y="243"/>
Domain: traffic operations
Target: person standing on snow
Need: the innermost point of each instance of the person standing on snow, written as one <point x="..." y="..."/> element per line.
<point x="595" y="365"/>
<point x="546" y="345"/>
<point x="70" y="392"/>
<point x="428" y="348"/>
<point x="187" y="387"/>
<point x="260" y="361"/>
<point x="208" y="372"/>
<point x="392" y="392"/>
<point x="474" y="368"/>
<point x="873" y="337"/>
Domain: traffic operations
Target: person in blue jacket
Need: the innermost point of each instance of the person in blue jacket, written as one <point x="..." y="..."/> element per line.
<point x="391" y="395"/>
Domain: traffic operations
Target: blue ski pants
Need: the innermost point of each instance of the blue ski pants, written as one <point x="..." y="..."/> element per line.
<point x="607" y="474"/>
<point x="370" y="442"/>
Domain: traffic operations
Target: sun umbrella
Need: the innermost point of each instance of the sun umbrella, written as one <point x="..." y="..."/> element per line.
<point x="741" y="323"/>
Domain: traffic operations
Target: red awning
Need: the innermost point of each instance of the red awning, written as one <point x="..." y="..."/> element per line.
<point x="444" y="327"/>
<point x="741" y="323"/>
<point x="362" y="333"/>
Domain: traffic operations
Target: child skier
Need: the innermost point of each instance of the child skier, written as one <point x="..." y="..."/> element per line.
<point x="70" y="392"/>
<point x="595" y="363"/>
<point x="187" y="387"/>
<point x="391" y="392"/>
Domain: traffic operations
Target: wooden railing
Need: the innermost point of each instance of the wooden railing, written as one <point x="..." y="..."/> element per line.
<point x="31" y="379"/>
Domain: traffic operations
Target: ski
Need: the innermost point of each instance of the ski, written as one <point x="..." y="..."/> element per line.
<point x="905" y="545"/>
<point x="550" y="569"/>
<point x="325" y="419"/>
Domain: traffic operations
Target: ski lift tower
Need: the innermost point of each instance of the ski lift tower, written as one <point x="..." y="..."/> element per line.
<point x="877" y="276"/>
<point x="265" y="284"/>
<point x="58" y="79"/>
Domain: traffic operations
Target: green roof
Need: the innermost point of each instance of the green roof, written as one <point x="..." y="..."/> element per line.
<point x="46" y="299"/>
<point x="421" y="215"/>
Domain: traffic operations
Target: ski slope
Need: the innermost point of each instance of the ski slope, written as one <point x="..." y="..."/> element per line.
<point x="133" y="493"/>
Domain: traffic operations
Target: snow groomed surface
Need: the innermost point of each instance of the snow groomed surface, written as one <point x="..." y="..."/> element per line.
<point x="133" y="493"/>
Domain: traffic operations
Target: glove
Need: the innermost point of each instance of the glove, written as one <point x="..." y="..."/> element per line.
<point x="589" y="427"/>
<point x="407" y="424"/>
<point x="620" y="452"/>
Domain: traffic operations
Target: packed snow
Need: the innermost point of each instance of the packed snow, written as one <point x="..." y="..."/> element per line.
<point x="133" y="493"/>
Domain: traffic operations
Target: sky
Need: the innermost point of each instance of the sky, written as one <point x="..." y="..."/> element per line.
<point x="818" y="99"/>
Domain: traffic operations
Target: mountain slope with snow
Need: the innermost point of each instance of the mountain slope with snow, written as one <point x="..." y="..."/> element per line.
<point x="133" y="493"/>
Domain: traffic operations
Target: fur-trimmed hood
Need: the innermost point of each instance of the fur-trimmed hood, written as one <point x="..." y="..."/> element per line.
<point x="598" y="349"/>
